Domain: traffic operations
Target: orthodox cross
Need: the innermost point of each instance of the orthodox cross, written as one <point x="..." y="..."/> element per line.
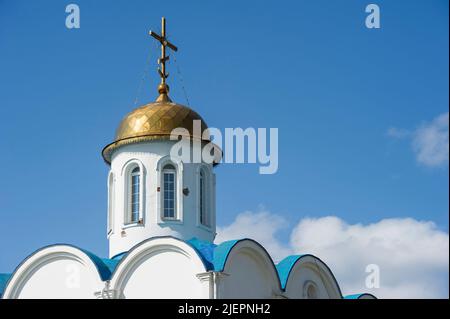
<point x="163" y="88"/>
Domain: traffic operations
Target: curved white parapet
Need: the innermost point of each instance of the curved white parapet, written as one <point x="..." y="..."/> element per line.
<point x="158" y="268"/>
<point x="307" y="277"/>
<point x="247" y="271"/>
<point x="167" y="267"/>
<point x="57" y="272"/>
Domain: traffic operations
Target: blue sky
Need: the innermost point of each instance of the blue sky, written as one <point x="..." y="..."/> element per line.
<point x="310" y="68"/>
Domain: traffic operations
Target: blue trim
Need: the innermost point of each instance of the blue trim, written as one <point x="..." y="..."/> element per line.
<point x="355" y="296"/>
<point x="196" y="244"/>
<point x="111" y="264"/>
<point x="221" y="253"/>
<point x="119" y="256"/>
<point x="205" y="250"/>
<point x="214" y="258"/>
<point x="285" y="267"/>
<point x="4" y="278"/>
<point x="105" y="267"/>
<point x="358" y="296"/>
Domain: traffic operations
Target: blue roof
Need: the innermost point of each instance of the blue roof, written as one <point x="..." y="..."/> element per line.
<point x="205" y="250"/>
<point x="221" y="254"/>
<point x="284" y="268"/>
<point x="355" y="296"/>
<point x="105" y="267"/>
<point x="119" y="256"/>
<point x="3" y="281"/>
<point x="213" y="256"/>
<point x="358" y="296"/>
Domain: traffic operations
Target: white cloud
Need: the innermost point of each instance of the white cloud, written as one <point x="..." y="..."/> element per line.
<point x="262" y="227"/>
<point x="430" y="142"/>
<point x="413" y="256"/>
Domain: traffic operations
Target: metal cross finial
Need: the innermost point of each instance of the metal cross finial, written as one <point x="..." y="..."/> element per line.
<point x="163" y="88"/>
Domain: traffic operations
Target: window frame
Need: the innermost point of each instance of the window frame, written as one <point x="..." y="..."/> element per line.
<point x="179" y="197"/>
<point x="127" y="173"/>
<point x="203" y="209"/>
<point x="208" y="200"/>
<point x="170" y="171"/>
<point x="131" y="195"/>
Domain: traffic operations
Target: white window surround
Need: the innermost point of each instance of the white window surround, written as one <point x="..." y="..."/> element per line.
<point x="208" y="175"/>
<point x="111" y="202"/>
<point x="168" y="192"/>
<point x="178" y="164"/>
<point x="126" y="177"/>
<point x="134" y="190"/>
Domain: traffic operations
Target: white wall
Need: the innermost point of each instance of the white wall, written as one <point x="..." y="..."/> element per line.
<point x="166" y="268"/>
<point x="249" y="274"/>
<point x="149" y="154"/>
<point x="161" y="268"/>
<point x="310" y="270"/>
<point x="168" y="275"/>
<point x="60" y="279"/>
<point x="58" y="272"/>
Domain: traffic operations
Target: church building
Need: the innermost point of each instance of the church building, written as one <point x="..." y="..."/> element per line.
<point x="161" y="226"/>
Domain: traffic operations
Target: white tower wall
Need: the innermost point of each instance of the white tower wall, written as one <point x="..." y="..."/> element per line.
<point x="151" y="157"/>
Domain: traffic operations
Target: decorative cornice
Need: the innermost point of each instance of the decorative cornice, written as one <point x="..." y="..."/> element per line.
<point x="109" y="149"/>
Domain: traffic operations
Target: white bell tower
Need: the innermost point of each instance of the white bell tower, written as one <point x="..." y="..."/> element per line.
<point x="150" y="192"/>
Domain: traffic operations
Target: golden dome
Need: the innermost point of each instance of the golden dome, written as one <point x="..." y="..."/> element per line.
<point x="154" y="121"/>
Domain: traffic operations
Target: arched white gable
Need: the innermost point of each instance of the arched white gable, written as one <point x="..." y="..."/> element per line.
<point x="55" y="272"/>
<point x="160" y="268"/>
<point x="310" y="274"/>
<point x="249" y="273"/>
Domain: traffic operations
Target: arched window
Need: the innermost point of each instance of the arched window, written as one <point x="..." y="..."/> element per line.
<point x="169" y="192"/>
<point x="134" y="197"/>
<point x="203" y="209"/>
<point x="311" y="291"/>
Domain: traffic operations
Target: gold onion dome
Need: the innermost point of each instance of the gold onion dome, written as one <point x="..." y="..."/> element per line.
<point x="154" y="121"/>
